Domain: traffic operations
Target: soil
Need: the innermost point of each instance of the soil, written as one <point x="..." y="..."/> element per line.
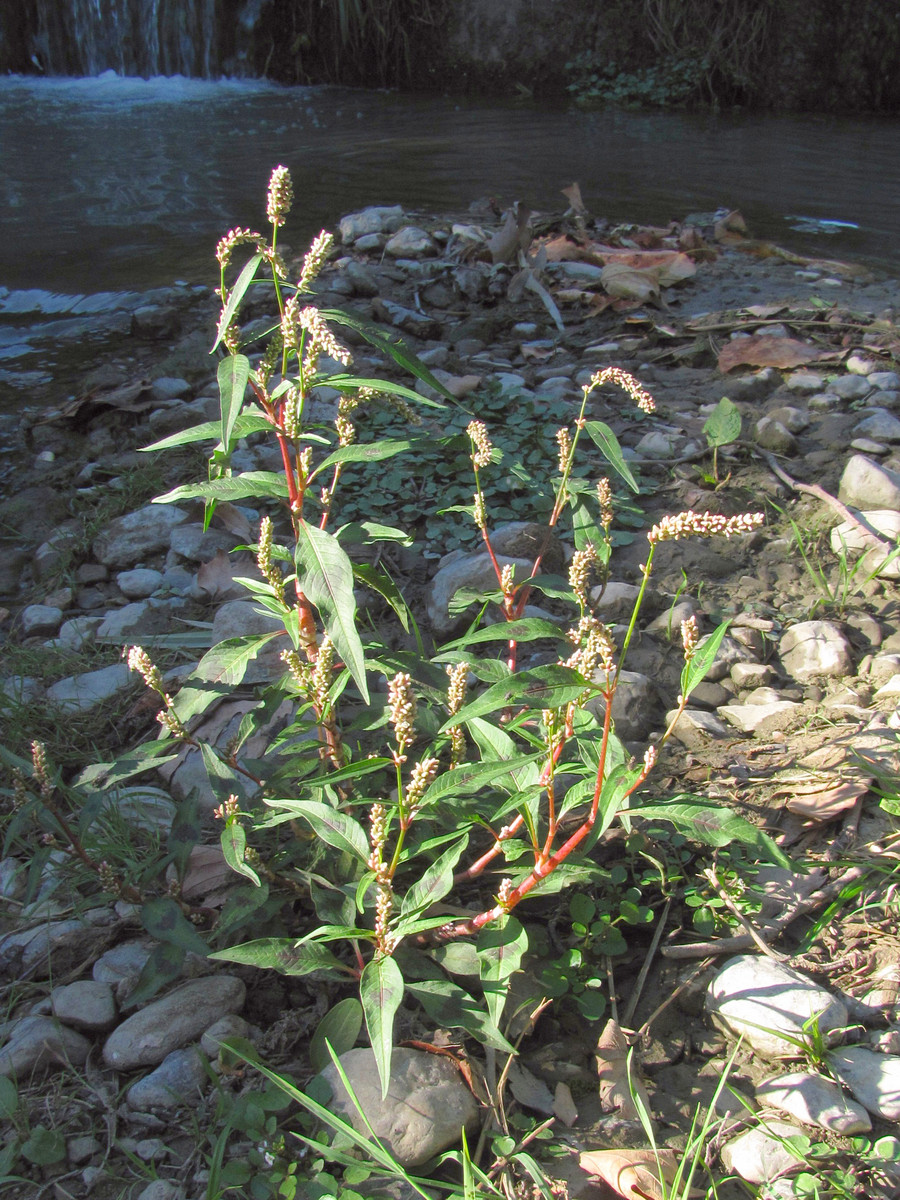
<point x="671" y="345"/>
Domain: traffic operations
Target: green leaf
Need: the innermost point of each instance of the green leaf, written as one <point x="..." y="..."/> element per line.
<point x="333" y="827"/>
<point x="527" y="629"/>
<point x="364" y="533"/>
<point x="472" y="777"/>
<point x="458" y="958"/>
<point x="186" y="831"/>
<point x="325" y="575"/>
<point x="244" y="425"/>
<point x="434" y="884"/>
<point x="250" y="485"/>
<point x="394" y="348"/>
<point x="367" y="452"/>
<point x="714" y="826"/>
<point x="500" y="950"/>
<point x="608" y="445"/>
<point x="340" y="1028"/>
<point x="694" y="672"/>
<point x="233" y="839"/>
<point x="164" y="965"/>
<point x="227" y="661"/>
<point x="282" y="954"/>
<point x="385" y="587"/>
<point x="233" y="373"/>
<point x="447" y="1004"/>
<point x="44" y="1146"/>
<point x="542" y="687"/>
<point x="163" y="919"/>
<point x="723" y="425"/>
<point x="222" y="778"/>
<point x="9" y="1097"/>
<point x="235" y="297"/>
<point x="381" y="990"/>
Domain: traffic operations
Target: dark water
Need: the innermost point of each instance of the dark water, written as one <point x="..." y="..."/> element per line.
<point x="111" y="184"/>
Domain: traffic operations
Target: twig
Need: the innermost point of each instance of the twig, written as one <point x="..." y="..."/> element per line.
<point x="748" y="928"/>
<point x="771" y="929"/>
<point x="645" y="969"/>
<point x="645" y="1028"/>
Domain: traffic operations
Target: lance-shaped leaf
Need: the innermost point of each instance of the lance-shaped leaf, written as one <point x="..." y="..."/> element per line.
<point x="381" y="990"/>
<point x="234" y="487"/>
<point x="714" y="826"/>
<point x="694" y="672"/>
<point x="366" y="452"/>
<point x="236" y="296"/>
<point x="608" y="445"/>
<point x="244" y="424"/>
<point x="334" y="827"/>
<point x="395" y="349"/>
<point x="162" y="918"/>
<point x="447" y="1004"/>
<point x="381" y="583"/>
<point x="233" y="373"/>
<point x="233" y="839"/>
<point x="325" y="575"/>
<point x="434" y="884"/>
<point x="526" y="629"/>
<point x="472" y="777"/>
<point x="283" y="954"/>
<point x="500" y="949"/>
<point x="542" y="687"/>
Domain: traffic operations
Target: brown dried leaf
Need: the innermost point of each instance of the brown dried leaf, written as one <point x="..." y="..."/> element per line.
<point x="732" y="223"/>
<point x="573" y="195"/>
<point x="514" y="234"/>
<point x="230" y="517"/>
<point x="634" y="1174"/>
<point x="207" y="873"/>
<point x="763" y="350"/>
<point x="826" y="803"/>
<point x="563" y="249"/>
<point x="629" y="283"/>
<point x="530" y="1091"/>
<point x="564" y="1108"/>
<point x="217" y="576"/>
<point x="617" y="1090"/>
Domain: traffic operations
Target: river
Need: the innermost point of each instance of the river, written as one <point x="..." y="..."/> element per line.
<point x="118" y="184"/>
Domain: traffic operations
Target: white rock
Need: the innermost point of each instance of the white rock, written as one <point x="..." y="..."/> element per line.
<point x="764" y="1000"/>
<point x="128" y="539"/>
<point x="750" y="718"/>
<point x="167" y="1024"/>
<point x="874" y="1079"/>
<point x="759" y="1155"/>
<point x="40" y="620"/>
<point x="812" y="649"/>
<point x="867" y="485"/>
<point x="410" y="242"/>
<point x="426" y="1107"/>
<point x="885" y="381"/>
<point x="138" y="583"/>
<point x="861" y="364"/>
<point x="815" y="1100"/>
<point x="696" y="727"/>
<point x="375" y="219"/>
<point x="850" y="539"/>
<point x="83" y="692"/>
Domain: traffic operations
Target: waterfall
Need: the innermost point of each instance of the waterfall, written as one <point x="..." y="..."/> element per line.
<point x="131" y="37"/>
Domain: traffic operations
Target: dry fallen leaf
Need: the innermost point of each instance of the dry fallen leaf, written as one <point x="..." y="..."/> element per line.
<point x="821" y="801"/>
<point x="617" y="1089"/>
<point x="763" y="350"/>
<point x="629" y="283"/>
<point x="573" y="195"/>
<point x="564" y="1106"/>
<point x="514" y="234"/>
<point x="634" y="1174"/>
<point x="530" y="1091"/>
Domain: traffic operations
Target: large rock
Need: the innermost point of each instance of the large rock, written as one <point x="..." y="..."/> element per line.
<point x="167" y="1024"/>
<point x="813" y="649"/>
<point x="38" y="1043"/>
<point x="850" y="539"/>
<point x="471" y="571"/>
<point x="769" y="1004"/>
<point x="814" y="1100"/>
<point x="376" y="219"/>
<point x="83" y="692"/>
<point x="85" y="1004"/>
<point x="128" y="539"/>
<point x="874" y="1079"/>
<point x="866" y="484"/>
<point x="426" y="1107"/>
<point x="179" y="1079"/>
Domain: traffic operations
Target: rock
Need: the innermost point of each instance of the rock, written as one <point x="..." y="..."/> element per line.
<point x="168" y="387"/>
<point x="128" y="539"/>
<point x="866" y="485"/>
<point x="139" y="583"/>
<point x="36" y="1044"/>
<point x="696" y="727"/>
<point x="82" y="1149"/>
<point x="658" y="444"/>
<point x="805" y="381"/>
<point x="473" y="571"/>
<point x="145" y="1038"/>
<point x="752" y="675"/>
<point x="58" y="944"/>
<point x="426" y="1107"/>
<point x="850" y="387"/>
<point x="84" y="692"/>
<point x="773" y="435"/>
<point x="874" y="1079"/>
<point x="884" y="381"/>
<point x="879" y="424"/>
<point x="763" y="1000"/>
<point x="156" y="322"/>
<point x="161" y="1189"/>
<point x="814" y="1100"/>
<point x="40" y="620"/>
<point x="179" y="1079"/>
<point x="615" y="602"/>
<point x="410" y="242"/>
<point x="759" y="718"/>
<point x="406" y="319"/>
<point x="78" y="632"/>
<point x="849" y="538"/>
<point x="636" y="708"/>
<point x="239" y="618"/>
<point x="85" y="1004"/>
<point x="730" y="652"/>
<point x="812" y="649"/>
<point x="229" y="1026"/>
<point x="759" y="1157"/>
<point x="198" y="545"/>
<point x="375" y="219"/>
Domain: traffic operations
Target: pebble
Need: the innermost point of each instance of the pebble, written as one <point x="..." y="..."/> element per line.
<point x="874" y="1079"/>
<point x="37" y="1044"/>
<point x="696" y="727"/>
<point x="179" y="1079"/>
<point x="759" y="718"/>
<point x="87" y="691"/>
<point x="812" y="649"/>
<point x="866" y="485"/>
<point x="127" y="540"/>
<point x="814" y="1100"/>
<point x="759" y="1155"/>
<point x="138" y="583"/>
<point x="145" y="1038"/>
<point x="161" y="1189"/>
<point x="426" y="1106"/>
<point x="40" y="620"/>
<point x="879" y="424"/>
<point x="85" y="1004"/>
<point x="764" y="999"/>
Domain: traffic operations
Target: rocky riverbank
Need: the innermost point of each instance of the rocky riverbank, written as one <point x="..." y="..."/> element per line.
<point x="795" y="727"/>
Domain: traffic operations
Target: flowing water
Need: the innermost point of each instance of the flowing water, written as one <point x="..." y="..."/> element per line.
<point x="111" y="185"/>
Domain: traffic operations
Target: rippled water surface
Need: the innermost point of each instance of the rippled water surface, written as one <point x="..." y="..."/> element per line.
<point x="116" y="183"/>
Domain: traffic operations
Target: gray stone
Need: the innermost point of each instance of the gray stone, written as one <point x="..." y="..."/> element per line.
<point x="850" y="387"/>
<point x="879" y="424"/>
<point x="751" y="675"/>
<point x="78" y="632"/>
<point x="730" y="651"/>
<point x="814" y="1100"/>
<point x="37" y="1043"/>
<point x="12" y="878"/>
<point x="759" y="1155"/>
<point x="473" y="571"/>
<point x="813" y="649"/>
<point x="167" y="1024"/>
<point x="426" y="1107"/>
<point x="759" y="718"/>
<point x="375" y="219"/>
<point x="773" y="435"/>
<point x="635" y="708"/>
<point x="874" y="1079"/>
<point x="82" y="1148"/>
<point x="793" y="419"/>
<point x="41" y="620"/>
<point x="84" y="692"/>
<point x="615" y="602"/>
<point x="849" y="538"/>
<point x="769" y="1003"/>
<point x="119" y="623"/>
<point x="884" y="381"/>
<point x="229" y="1026"/>
<point x="128" y="539"/>
<point x="805" y="381"/>
<point x="85" y="1004"/>
<point x="240" y="618"/>
<point x="696" y="728"/>
<point x="362" y="280"/>
<point x="138" y="583"/>
<point x="658" y="444"/>
<point x="867" y="485"/>
<point x="179" y="1079"/>
<point x="198" y="545"/>
<point x="161" y="1189"/>
<point x="168" y="387"/>
<point x="410" y="242"/>
<point x="22" y="689"/>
